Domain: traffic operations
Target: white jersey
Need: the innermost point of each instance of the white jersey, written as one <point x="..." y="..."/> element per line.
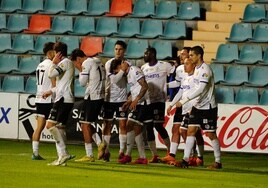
<point x="204" y="74"/>
<point x="187" y="87"/>
<point x="156" y="77"/>
<point x="64" y="74"/>
<point x="43" y="82"/>
<point x="178" y="77"/>
<point x="115" y="91"/>
<point x="93" y="78"/>
<point x="133" y="77"/>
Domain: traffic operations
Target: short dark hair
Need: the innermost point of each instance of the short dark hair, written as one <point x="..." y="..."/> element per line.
<point x="61" y="47"/>
<point x="152" y="50"/>
<point x="186" y="48"/>
<point x="121" y="43"/>
<point x="114" y="64"/>
<point x="48" y="46"/>
<point x="77" y="53"/>
<point x="198" y="50"/>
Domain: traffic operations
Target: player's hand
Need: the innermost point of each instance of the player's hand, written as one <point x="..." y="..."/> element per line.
<point x="124" y="66"/>
<point x="169" y="110"/>
<point x="57" y="58"/>
<point x="133" y="105"/>
<point x="126" y="106"/>
<point x="46" y="94"/>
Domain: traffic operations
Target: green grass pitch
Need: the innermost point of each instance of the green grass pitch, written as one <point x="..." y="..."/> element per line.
<point x="18" y="170"/>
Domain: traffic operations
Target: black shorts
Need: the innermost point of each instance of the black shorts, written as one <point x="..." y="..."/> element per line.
<point x="178" y="117"/>
<point x="60" y="112"/>
<point x="43" y="109"/>
<point x="207" y="119"/>
<point x="90" y="111"/>
<point x="139" y="115"/>
<point x="111" y="108"/>
<point x="155" y="112"/>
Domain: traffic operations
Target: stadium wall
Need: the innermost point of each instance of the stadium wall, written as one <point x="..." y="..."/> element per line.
<point x="241" y="128"/>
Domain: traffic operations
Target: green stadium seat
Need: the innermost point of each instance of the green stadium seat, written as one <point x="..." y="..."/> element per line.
<point x="97" y="7"/>
<point x="61" y="25"/>
<point x="260" y="34"/>
<point x="10" y="6"/>
<point x="151" y="28"/>
<point x="53" y="7"/>
<point x="8" y="63"/>
<point x="27" y="65"/>
<point x="174" y="29"/>
<point x="218" y="72"/>
<point x="165" y="10"/>
<point x="136" y="48"/>
<point x="13" y="84"/>
<point x="31" y="6"/>
<point x="163" y="48"/>
<point x="247" y="96"/>
<point x="75" y="7"/>
<point x="250" y="54"/>
<point x="254" y="13"/>
<point x="143" y="8"/>
<point x="3" y="22"/>
<point x="225" y="95"/>
<point x="235" y="75"/>
<point x="30" y="85"/>
<point x="264" y="60"/>
<point x="39" y="24"/>
<point x="16" y="23"/>
<point x="258" y="77"/>
<point x="222" y="51"/>
<point x="188" y="11"/>
<point x="71" y="41"/>
<point x="22" y="43"/>
<point x="5" y="42"/>
<point x="240" y="32"/>
<point x="40" y="41"/>
<point x="264" y="97"/>
<point x="105" y="26"/>
<point x="83" y="25"/>
<point x="128" y="27"/>
<point x="120" y="8"/>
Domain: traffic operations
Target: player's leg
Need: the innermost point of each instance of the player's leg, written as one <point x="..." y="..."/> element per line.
<point x="199" y="148"/>
<point x="41" y="122"/>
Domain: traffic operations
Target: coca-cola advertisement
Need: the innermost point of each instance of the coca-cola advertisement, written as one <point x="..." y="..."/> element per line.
<point x="240" y="129"/>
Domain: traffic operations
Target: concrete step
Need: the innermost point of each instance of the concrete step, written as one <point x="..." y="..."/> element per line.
<point x="214" y="26"/>
<point x="208" y="46"/>
<point x="208" y="56"/>
<point x="210" y="36"/>
<point x="230" y="7"/>
<point x="223" y="17"/>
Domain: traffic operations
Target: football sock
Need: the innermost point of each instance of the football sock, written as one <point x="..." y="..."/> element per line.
<point x="122" y="142"/>
<point x="107" y="139"/>
<point x="217" y="151"/>
<point x="130" y="142"/>
<point x="200" y="150"/>
<point x="190" y="140"/>
<point x="173" y="148"/>
<point x="35" y="145"/>
<point x="60" y="144"/>
<point x="96" y="138"/>
<point x="140" y="145"/>
<point x="89" y="150"/>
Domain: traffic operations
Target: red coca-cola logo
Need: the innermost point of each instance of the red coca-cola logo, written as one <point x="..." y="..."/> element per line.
<point x="254" y="135"/>
<point x="245" y="128"/>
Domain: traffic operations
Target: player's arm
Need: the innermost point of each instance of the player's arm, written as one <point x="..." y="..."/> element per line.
<point x="57" y="67"/>
<point x="52" y="90"/>
<point x="144" y="88"/>
<point x="174" y="84"/>
<point x="115" y="78"/>
<point x="174" y="101"/>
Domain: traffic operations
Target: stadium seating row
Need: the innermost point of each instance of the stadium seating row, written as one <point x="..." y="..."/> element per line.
<point x="242" y="32"/>
<point x="244" y="95"/>
<point x="237" y="75"/>
<point x="254" y="13"/>
<point x="105" y="26"/>
<point x="141" y="8"/>
<point x="248" y="55"/>
<point x="24" y="43"/>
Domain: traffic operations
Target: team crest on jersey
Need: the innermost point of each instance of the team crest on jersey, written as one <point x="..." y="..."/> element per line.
<point x="122" y="114"/>
<point x="205" y="75"/>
